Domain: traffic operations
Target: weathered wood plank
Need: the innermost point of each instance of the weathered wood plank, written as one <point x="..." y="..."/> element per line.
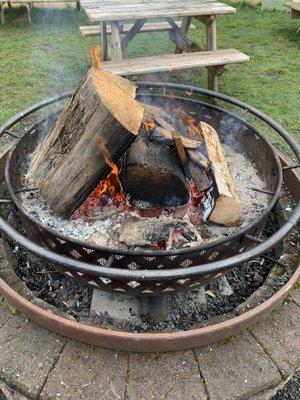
<point x="174" y="61"/>
<point x="185" y="26"/>
<point x="181" y="39"/>
<point x="103" y="41"/>
<point x="136" y="27"/>
<point x="126" y="11"/>
<point x="116" y="41"/>
<point x="94" y="30"/>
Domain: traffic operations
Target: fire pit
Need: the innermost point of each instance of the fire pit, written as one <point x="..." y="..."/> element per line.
<point x="146" y="272"/>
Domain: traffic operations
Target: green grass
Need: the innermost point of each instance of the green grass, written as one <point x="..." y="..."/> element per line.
<point x="49" y="56"/>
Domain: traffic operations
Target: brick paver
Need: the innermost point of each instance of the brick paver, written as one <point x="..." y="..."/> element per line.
<point x="236" y="369"/>
<point x="279" y="334"/>
<point x="168" y="376"/>
<point x="87" y="373"/>
<point x="27" y="354"/>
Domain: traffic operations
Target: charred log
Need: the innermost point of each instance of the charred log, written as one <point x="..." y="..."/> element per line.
<point x="152" y="175"/>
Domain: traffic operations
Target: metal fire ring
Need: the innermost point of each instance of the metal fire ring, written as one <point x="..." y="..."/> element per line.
<point x="169" y="274"/>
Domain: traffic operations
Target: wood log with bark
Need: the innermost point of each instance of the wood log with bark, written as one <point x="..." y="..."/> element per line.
<point x="69" y="163"/>
<point x="227" y="210"/>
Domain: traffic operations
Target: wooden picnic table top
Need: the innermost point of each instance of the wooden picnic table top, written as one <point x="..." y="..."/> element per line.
<point x="118" y="10"/>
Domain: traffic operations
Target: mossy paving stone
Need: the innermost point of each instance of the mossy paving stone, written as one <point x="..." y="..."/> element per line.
<point x="279" y="334"/>
<point x="87" y="373"/>
<point x="236" y="369"/>
<point x="27" y="354"/>
<point x="168" y="376"/>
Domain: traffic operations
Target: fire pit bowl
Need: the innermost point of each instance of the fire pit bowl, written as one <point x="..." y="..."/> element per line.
<point x="145" y="272"/>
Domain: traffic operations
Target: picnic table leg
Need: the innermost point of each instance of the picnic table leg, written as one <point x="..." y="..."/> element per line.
<point x="103" y="40"/>
<point x="28" y="6"/>
<point x="116" y="50"/>
<point x="185" y="25"/>
<point x="211" y="43"/>
<point x="2" y="16"/>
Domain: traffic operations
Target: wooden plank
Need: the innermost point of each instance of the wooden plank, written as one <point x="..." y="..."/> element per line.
<point x="174" y="61"/>
<point x="100" y="12"/>
<point x="2" y="15"/>
<point x="211" y="42"/>
<point x="136" y="27"/>
<point x="181" y="39"/>
<point x="103" y="41"/>
<point x="185" y="26"/>
<point x="116" y="41"/>
<point x="94" y="30"/>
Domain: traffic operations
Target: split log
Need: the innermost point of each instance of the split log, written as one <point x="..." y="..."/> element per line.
<point x="227" y="210"/>
<point x="152" y="175"/>
<point x="101" y="117"/>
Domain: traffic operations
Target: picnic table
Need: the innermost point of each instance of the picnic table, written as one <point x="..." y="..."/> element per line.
<point x="111" y="15"/>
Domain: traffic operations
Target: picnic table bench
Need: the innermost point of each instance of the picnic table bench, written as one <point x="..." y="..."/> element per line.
<point x="29" y="5"/>
<point x="111" y="15"/>
<point x="295" y="9"/>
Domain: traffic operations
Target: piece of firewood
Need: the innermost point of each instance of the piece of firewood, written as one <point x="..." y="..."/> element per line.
<point x="227" y="210"/>
<point x="152" y="175"/>
<point x="164" y="136"/>
<point x="101" y="115"/>
<point x="194" y="163"/>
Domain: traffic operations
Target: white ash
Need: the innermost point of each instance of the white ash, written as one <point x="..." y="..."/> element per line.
<point x="107" y="227"/>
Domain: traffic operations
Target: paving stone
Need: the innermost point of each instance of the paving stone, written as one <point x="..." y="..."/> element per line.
<point x="9" y="394"/>
<point x="236" y="369"/>
<point x="168" y="376"/>
<point x="27" y="354"/>
<point x="279" y="334"/>
<point x="87" y="373"/>
<point x="295" y="295"/>
<point x="5" y="312"/>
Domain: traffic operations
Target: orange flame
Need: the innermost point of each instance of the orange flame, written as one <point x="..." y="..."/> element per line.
<point x="190" y="122"/>
<point x="149" y="125"/>
<point x="110" y="187"/>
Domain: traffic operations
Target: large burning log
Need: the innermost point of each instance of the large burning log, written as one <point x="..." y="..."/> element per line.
<point x="101" y="118"/>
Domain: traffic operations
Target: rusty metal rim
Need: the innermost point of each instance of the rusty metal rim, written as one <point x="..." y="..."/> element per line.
<point x="152" y="342"/>
<point x="144" y="342"/>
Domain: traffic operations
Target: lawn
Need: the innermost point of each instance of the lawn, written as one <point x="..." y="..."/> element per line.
<point x="49" y="56"/>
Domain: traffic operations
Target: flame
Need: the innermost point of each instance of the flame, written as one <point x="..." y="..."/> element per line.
<point x="109" y="191"/>
<point x="190" y="122"/>
<point x="149" y="125"/>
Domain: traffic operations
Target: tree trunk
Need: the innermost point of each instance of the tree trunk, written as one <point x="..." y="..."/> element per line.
<point x="94" y="131"/>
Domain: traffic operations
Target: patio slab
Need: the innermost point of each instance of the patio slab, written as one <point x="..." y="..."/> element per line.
<point x="86" y="372"/>
<point x="237" y="368"/>
<point x="41" y="365"/>
<point x="279" y="335"/>
<point x="170" y="376"/>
